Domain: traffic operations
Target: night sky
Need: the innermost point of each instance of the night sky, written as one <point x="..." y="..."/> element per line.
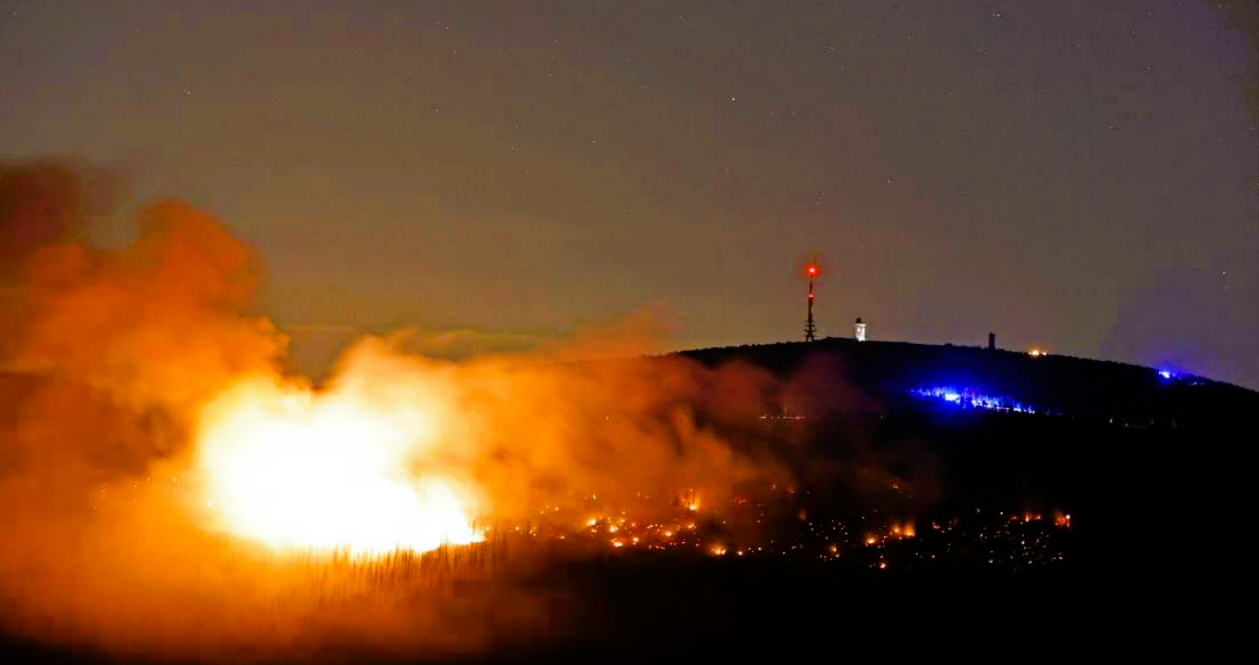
<point x="1075" y="176"/>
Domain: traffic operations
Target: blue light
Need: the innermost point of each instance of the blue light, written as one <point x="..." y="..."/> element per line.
<point x="1165" y="374"/>
<point x="969" y="397"/>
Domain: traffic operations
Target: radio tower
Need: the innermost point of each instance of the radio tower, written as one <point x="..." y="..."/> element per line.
<point x="810" y="328"/>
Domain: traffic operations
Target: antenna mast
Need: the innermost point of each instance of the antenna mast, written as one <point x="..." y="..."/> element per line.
<point x="810" y="328"/>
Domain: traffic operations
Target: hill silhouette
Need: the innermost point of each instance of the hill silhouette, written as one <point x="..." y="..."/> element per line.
<point x="1046" y="384"/>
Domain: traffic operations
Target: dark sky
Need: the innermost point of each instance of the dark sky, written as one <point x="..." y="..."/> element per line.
<point x="1079" y="176"/>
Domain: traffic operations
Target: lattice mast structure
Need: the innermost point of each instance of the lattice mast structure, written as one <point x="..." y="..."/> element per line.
<point x="810" y="328"/>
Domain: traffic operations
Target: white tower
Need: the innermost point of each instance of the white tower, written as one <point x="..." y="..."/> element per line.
<point x="859" y="330"/>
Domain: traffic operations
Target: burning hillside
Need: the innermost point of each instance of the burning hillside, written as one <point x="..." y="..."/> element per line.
<point x="169" y="489"/>
<point x="149" y="363"/>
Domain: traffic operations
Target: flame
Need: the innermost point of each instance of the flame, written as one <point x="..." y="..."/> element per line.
<point x="691" y="501"/>
<point x="299" y="471"/>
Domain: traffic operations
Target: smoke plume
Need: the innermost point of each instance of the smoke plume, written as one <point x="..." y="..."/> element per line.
<point x="118" y="364"/>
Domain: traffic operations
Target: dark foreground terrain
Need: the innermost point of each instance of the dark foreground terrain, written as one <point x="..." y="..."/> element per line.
<point x="733" y="612"/>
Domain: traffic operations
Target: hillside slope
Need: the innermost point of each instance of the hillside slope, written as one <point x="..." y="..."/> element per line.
<point x="1050" y="384"/>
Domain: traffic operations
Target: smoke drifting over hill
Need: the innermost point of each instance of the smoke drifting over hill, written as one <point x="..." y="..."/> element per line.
<point x="119" y="494"/>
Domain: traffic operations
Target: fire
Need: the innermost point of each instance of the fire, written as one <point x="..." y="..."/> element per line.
<point x="905" y="530"/>
<point x="299" y="471"/>
<point x="691" y="501"/>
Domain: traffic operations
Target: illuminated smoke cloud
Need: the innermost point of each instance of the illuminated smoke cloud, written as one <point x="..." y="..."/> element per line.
<point x="167" y="482"/>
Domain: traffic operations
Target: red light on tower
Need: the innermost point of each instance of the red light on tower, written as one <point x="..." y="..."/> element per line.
<point x="810" y="328"/>
<point x="810" y="268"/>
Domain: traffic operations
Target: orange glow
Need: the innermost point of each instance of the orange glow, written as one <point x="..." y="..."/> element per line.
<point x="295" y="471"/>
<point x="692" y="501"/>
<point x="279" y="513"/>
